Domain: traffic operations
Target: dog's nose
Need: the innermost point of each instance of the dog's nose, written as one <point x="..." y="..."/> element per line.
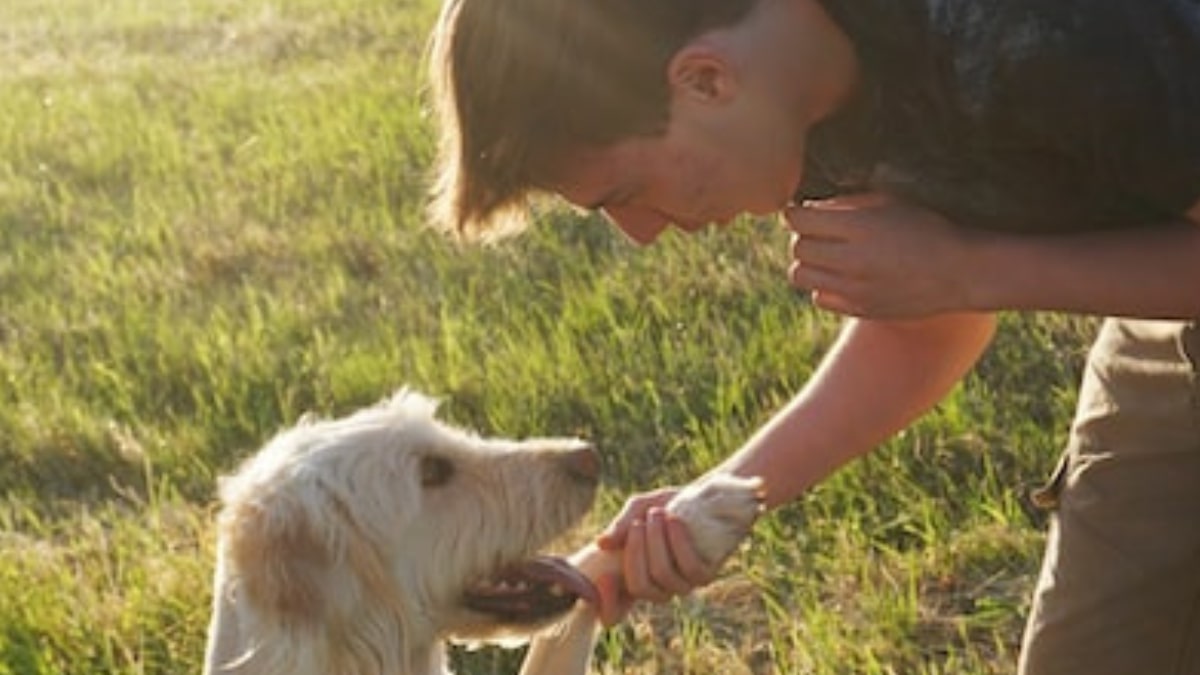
<point x="583" y="463"/>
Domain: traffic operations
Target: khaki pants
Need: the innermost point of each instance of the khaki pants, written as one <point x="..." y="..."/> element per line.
<point x="1119" y="591"/>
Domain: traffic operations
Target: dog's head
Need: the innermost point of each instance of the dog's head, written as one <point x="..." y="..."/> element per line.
<point x="389" y="530"/>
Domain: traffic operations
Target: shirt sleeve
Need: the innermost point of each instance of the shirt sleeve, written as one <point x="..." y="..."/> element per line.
<point x="1165" y="165"/>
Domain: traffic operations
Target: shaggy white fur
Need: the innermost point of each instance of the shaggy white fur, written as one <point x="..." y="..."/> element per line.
<point x="358" y="546"/>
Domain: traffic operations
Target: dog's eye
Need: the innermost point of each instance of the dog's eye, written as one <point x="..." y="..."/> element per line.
<point x="435" y="471"/>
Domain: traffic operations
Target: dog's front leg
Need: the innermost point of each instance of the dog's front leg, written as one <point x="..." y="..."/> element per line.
<point x="224" y="644"/>
<point x="566" y="648"/>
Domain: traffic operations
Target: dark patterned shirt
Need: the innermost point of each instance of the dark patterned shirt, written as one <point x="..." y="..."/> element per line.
<point x="1023" y="115"/>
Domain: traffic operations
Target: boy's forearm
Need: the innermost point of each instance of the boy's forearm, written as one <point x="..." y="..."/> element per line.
<point x="878" y="377"/>
<point x="1151" y="273"/>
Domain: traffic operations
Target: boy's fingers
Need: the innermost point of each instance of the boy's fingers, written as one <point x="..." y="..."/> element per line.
<point x="847" y="202"/>
<point x="822" y="254"/>
<point x="638" y="581"/>
<point x="614" y="537"/>
<point x="810" y="224"/>
<point x="663" y="568"/>
<point x="812" y="278"/>
<point x="827" y="218"/>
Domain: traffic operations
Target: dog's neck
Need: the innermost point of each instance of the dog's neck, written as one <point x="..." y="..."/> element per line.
<point x="430" y="661"/>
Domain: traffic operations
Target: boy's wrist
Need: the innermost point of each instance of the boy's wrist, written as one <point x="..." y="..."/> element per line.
<point x="983" y="271"/>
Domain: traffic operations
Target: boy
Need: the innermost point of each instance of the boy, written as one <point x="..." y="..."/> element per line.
<point x="937" y="161"/>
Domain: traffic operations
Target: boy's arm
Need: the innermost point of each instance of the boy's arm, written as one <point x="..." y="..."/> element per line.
<point x="869" y="254"/>
<point x="1151" y="272"/>
<point x="877" y="378"/>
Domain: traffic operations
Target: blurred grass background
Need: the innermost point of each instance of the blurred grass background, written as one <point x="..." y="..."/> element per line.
<point x="211" y="223"/>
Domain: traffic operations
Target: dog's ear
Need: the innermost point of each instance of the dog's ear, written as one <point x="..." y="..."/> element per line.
<point x="280" y="558"/>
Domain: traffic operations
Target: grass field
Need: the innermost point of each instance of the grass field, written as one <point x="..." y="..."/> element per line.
<point x="210" y="223"/>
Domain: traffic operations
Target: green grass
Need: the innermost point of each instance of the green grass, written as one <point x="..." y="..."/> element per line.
<point x="210" y="223"/>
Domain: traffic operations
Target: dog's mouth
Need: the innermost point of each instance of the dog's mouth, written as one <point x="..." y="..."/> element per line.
<point x="531" y="591"/>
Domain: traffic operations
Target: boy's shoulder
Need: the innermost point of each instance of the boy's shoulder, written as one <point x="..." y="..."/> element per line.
<point x="1071" y="113"/>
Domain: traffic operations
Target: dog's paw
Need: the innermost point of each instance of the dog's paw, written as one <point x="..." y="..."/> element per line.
<point x="719" y="510"/>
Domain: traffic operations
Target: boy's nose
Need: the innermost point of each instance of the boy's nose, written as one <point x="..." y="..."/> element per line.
<point x="639" y="224"/>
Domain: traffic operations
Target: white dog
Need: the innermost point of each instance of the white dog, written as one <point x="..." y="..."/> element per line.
<point x="357" y="546"/>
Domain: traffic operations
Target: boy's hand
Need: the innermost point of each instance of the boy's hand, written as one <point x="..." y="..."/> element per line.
<point x="658" y="559"/>
<point x="873" y="255"/>
<point x="659" y="554"/>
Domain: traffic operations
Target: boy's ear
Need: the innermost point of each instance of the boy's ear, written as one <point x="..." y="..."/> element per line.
<point x="703" y="73"/>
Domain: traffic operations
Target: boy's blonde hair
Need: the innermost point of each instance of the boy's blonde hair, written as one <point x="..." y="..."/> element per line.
<point x="520" y="84"/>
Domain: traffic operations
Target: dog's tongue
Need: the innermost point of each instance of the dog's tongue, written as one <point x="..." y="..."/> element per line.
<point x="554" y="570"/>
<point x="532" y="590"/>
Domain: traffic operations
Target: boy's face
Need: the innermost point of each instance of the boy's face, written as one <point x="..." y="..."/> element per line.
<point x="742" y="102"/>
<point x="700" y="172"/>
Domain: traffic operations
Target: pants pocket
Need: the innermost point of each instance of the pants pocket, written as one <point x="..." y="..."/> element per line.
<point x="1047" y="496"/>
